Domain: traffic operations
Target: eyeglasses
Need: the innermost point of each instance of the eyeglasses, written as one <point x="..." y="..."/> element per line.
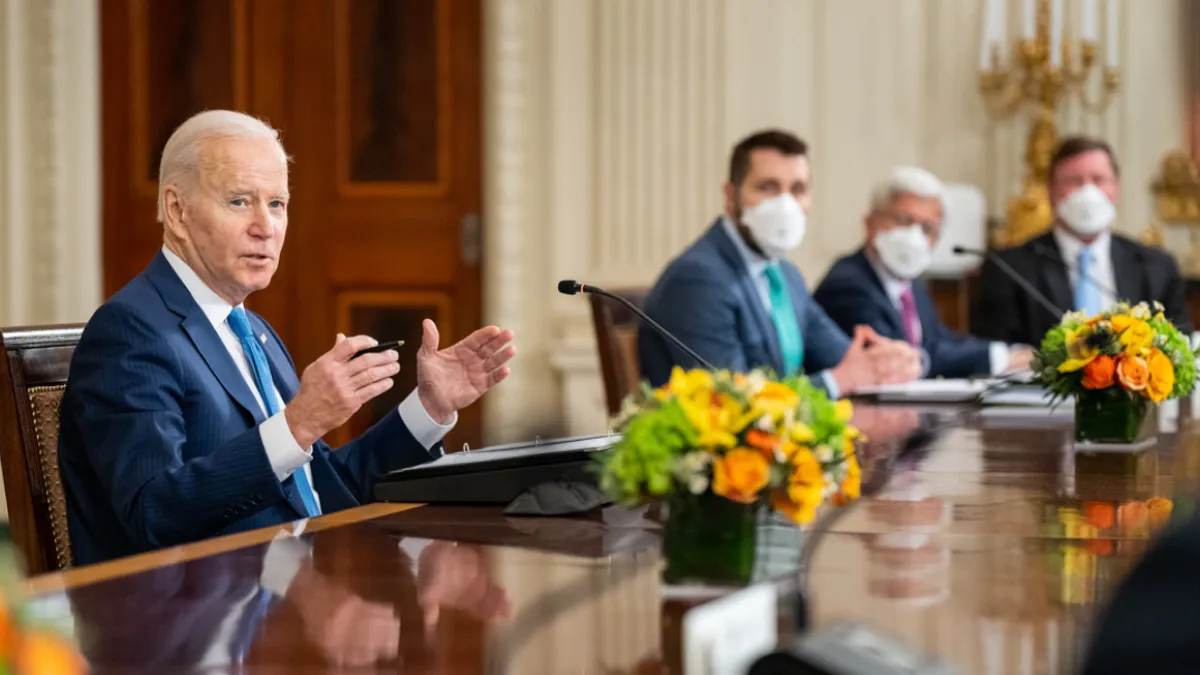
<point x="930" y="228"/>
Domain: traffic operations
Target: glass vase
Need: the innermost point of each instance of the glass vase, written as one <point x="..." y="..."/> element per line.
<point x="1110" y="416"/>
<point x="708" y="539"/>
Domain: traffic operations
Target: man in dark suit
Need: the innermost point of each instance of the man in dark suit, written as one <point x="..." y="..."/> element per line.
<point x="879" y="286"/>
<point x="735" y="299"/>
<point x="1080" y="264"/>
<point x="183" y="416"/>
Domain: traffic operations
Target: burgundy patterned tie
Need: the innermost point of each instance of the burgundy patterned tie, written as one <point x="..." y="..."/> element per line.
<point x="908" y="314"/>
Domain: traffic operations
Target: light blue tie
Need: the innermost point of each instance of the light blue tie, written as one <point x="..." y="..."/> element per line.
<point x="1087" y="296"/>
<point x="783" y="313"/>
<point x="266" y="388"/>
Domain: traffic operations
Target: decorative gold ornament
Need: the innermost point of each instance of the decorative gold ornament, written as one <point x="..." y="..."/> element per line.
<point x="1036" y="79"/>
<point x="1176" y="205"/>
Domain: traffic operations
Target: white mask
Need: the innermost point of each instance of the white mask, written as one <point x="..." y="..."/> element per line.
<point x="1087" y="210"/>
<point x="777" y="224"/>
<point x="905" y="251"/>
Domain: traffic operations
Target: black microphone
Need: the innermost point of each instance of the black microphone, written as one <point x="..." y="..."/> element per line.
<point x="1015" y="276"/>
<point x="1045" y="252"/>
<point x="572" y="287"/>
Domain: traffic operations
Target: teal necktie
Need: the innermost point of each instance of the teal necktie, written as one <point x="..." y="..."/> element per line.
<point x="783" y="313"/>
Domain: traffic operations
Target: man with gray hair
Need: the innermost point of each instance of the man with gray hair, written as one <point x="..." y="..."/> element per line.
<point x="879" y="285"/>
<point x="183" y="417"/>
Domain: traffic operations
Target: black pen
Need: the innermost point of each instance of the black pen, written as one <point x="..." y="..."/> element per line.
<point x="381" y="347"/>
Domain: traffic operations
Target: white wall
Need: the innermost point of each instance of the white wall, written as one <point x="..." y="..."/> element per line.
<point x="49" y="163"/>
<point x="610" y="122"/>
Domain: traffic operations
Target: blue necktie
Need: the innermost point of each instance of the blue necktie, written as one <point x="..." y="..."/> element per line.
<point x="786" y="324"/>
<point x="1087" y="296"/>
<point x="266" y="388"/>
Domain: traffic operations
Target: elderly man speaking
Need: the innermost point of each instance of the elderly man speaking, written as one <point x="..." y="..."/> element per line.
<point x="183" y="417"/>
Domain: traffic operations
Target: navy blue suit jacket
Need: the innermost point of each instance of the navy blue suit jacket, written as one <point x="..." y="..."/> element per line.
<point x="707" y="299"/>
<point x="159" y="442"/>
<point x="853" y="294"/>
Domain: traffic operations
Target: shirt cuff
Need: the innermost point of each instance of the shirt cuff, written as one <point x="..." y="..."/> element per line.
<point x="284" y="453"/>
<point x="285" y="556"/>
<point x="831" y="385"/>
<point x="412" y="547"/>
<point x="998" y="357"/>
<point x="427" y="432"/>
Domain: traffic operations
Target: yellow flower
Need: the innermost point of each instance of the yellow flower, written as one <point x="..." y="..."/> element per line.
<point x="1162" y="376"/>
<point x="789" y="449"/>
<point x="1120" y="322"/>
<point x="1079" y="352"/>
<point x="740" y="474"/>
<point x="801" y="433"/>
<point x="804" y="491"/>
<point x="716" y="417"/>
<point x="688" y="383"/>
<point x="851" y="486"/>
<point x="845" y="409"/>
<point x="1137" y="338"/>
<point x="775" y="399"/>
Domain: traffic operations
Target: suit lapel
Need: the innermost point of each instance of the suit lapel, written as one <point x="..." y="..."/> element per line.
<point x="1126" y="270"/>
<point x="893" y="314"/>
<point x="1054" y="282"/>
<point x="926" y="312"/>
<point x="177" y="298"/>
<point x="761" y="316"/>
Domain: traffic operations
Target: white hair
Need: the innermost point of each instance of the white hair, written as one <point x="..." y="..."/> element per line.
<point x="907" y="180"/>
<point x="181" y="156"/>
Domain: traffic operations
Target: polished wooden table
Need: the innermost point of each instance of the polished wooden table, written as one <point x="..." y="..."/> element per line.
<point x="990" y="542"/>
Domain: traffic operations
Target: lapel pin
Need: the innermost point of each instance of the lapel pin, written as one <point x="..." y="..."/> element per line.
<point x="263" y="338"/>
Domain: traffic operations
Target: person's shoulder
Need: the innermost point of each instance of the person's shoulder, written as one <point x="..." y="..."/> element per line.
<point x="701" y="260"/>
<point x="1150" y="254"/>
<point x="133" y="311"/>
<point x="846" y="270"/>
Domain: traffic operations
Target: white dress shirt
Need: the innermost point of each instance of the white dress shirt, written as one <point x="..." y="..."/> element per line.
<point x="894" y="287"/>
<point x="756" y="267"/>
<point x="1101" y="272"/>
<point x="284" y="453"/>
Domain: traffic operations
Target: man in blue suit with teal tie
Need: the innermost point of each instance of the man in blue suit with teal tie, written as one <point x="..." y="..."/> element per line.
<point x="735" y="299"/>
<point x="183" y="417"/>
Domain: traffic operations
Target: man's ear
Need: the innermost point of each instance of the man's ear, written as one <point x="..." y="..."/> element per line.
<point x="730" y="199"/>
<point x="174" y="211"/>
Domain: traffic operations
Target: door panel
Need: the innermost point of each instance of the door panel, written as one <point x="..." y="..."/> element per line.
<point x="377" y="101"/>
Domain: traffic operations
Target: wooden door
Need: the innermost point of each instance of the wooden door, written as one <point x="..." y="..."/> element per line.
<point x="377" y="101"/>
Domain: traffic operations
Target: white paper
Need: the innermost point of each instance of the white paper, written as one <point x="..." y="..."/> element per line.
<point x="929" y="391"/>
<point x="726" y="636"/>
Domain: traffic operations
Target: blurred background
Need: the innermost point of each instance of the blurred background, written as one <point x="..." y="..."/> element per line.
<point x="454" y="159"/>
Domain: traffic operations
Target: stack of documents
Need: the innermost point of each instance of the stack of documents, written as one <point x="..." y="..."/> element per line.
<point x="929" y="391"/>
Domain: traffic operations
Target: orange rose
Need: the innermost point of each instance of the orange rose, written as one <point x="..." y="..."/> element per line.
<point x="740" y="474"/>
<point x="1132" y="372"/>
<point x="1162" y="376"/>
<point x="1098" y="514"/>
<point x="1099" y="373"/>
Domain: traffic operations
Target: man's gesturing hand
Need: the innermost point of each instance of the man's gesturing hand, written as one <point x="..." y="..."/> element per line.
<point x="455" y="377"/>
<point x="336" y="385"/>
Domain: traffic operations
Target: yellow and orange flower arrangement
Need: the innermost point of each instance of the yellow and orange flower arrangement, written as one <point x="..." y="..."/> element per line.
<point x="27" y="646"/>
<point x="746" y="437"/>
<point x="1134" y="349"/>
